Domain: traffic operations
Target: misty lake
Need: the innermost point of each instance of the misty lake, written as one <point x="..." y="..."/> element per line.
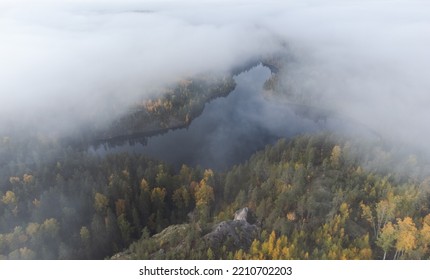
<point x="229" y="130"/>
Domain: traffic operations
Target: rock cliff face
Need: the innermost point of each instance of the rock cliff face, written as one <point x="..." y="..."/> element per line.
<point x="181" y="241"/>
<point x="241" y="214"/>
<point x="235" y="234"/>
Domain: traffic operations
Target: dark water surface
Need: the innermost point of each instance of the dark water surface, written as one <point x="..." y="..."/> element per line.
<point x="229" y="130"/>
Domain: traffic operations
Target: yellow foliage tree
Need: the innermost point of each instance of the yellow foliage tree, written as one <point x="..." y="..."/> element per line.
<point x="14" y="180"/>
<point x="28" y="179"/>
<point x="386" y="238"/>
<point x="204" y="196"/>
<point x="32" y="229"/>
<point x="100" y="202"/>
<point x="50" y="227"/>
<point x="144" y="185"/>
<point x="9" y="198"/>
<point x="335" y="155"/>
<point x="406" y="236"/>
<point x="424" y="234"/>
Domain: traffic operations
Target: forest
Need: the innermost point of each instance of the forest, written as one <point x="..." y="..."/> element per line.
<point x="320" y="196"/>
<point x="214" y="130"/>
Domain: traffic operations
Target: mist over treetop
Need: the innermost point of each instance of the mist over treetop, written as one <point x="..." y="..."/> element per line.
<point x="65" y="64"/>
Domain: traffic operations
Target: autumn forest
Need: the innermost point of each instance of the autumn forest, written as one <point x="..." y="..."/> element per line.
<point x="311" y="197"/>
<point x="214" y="130"/>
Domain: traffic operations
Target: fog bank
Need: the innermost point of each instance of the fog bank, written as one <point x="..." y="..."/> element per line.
<point x="70" y="63"/>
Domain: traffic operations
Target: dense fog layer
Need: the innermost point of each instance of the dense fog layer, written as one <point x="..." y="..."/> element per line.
<point x="65" y="64"/>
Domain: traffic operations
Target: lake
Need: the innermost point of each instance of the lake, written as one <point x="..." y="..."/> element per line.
<point x="229" y="130"/>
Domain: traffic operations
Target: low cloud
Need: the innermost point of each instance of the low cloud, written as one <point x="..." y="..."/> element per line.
<point x="73" y="62"/>
<point x="365" y="60"/>
<point x="66" y="65"/>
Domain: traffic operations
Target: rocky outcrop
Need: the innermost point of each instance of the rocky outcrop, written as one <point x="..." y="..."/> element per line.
<point x="234" y="234"/>
<point x="241" y="214"/>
